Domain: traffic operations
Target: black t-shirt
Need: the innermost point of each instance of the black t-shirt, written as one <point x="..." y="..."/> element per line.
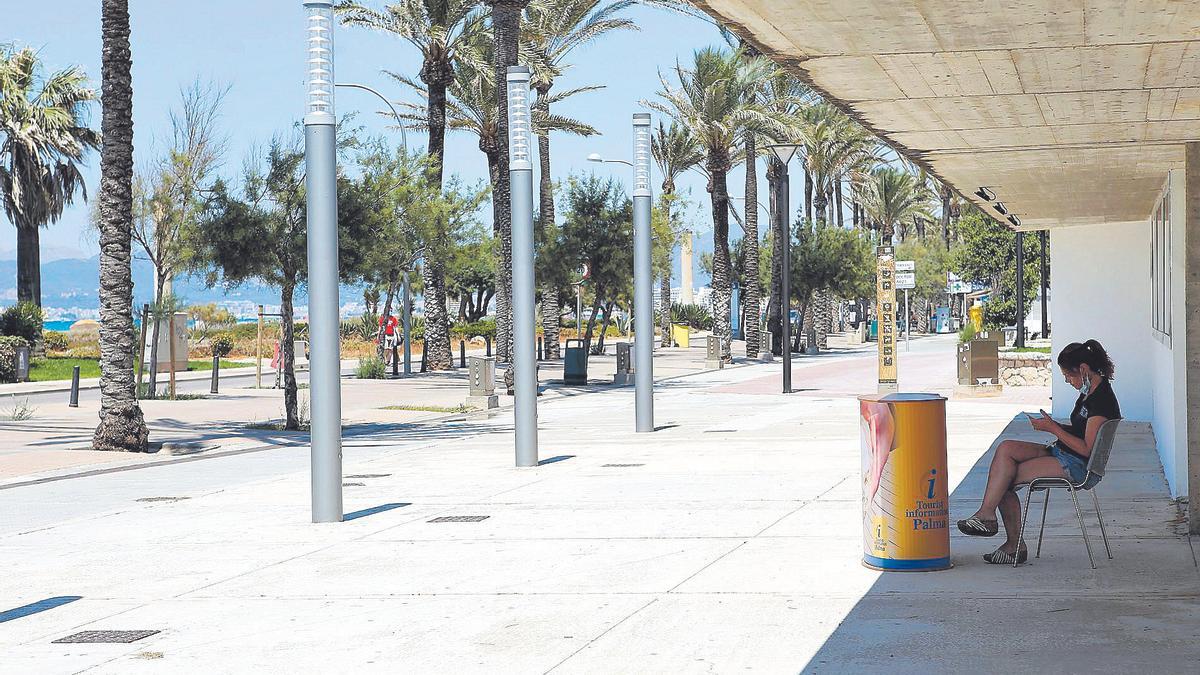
<point x="1100" y="402"/>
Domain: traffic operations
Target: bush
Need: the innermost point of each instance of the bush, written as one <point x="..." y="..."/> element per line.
<point x="222" y="345"/>
<point x="482" y="328"/>
<point x="967" y="333"/>
<point x="371" y="368"/>
<point x="696" y="316"/>
<point x="55" y="341"/>
<point x="23" y="320"/>
<point x="8" y="356"/>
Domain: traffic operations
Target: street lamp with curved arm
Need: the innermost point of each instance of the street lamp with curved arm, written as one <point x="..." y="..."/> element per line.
<point x="595" y="157"/>
<point x="399" y="122"/>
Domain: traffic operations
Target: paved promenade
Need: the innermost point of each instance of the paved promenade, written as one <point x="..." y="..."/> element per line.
<point x="729" y="540"/>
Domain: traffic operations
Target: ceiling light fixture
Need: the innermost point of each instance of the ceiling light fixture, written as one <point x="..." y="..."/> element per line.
<point x="1016" y="222"/>
<point x="985" y="194"/>
<point x="999" y="206"/>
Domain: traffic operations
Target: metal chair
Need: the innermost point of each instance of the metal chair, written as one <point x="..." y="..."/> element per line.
<point x="1101" y="450"/>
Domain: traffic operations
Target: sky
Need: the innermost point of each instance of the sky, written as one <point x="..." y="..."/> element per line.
<point x="256" y="48"/>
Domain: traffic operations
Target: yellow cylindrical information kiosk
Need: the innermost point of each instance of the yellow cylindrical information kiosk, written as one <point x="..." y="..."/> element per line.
<point x="906" y="508"/>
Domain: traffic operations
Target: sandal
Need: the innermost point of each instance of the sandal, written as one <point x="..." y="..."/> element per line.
<point x="977" y="527"/>
<point x="1002" y="557"/>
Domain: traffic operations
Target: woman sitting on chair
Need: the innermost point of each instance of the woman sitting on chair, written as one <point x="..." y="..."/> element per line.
<point x="1086" y="367"/>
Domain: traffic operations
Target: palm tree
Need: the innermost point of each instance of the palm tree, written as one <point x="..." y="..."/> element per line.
<point x="675" y="150"/>
<point x="893" y="196"/>
<point x="753" y="296"/>
<point x="438" y="29"/>
<point x="122" y="426"/>
<point x="787" y="96"/>
<point x="43" y="139"/>
<point x="831" y="144"/>
<point x="715" y="101"/>
<point x="554" y="28"/>
<point x="506" y="30"/>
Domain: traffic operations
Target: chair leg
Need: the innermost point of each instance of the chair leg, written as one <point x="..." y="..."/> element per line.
<point x="1100" y="517"/>
<point x="1087" y="543"/>
<point x="1024" y="517"/>
<point x="1045" y="508"/>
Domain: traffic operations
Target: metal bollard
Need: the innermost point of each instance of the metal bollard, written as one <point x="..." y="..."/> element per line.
<point x="74" y="387"/>
<point x="395" y="361"/>
<point x="487" y="341"/>
<point x="462" y="354"/>
<point x="541" y="349"/>
<point x="423" y="353"/>
<point x="216" y="374"/>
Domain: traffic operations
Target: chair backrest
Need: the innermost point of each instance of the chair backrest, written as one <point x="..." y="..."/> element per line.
<point x="1102" y="448"/>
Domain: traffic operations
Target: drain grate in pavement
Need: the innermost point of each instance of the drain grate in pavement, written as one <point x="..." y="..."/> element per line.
<point x="459" y="519"/>
<point x="108" y="636"/>
<point x="162" y="499"/>
<point x="369" y="475"/>
<point x="620" y="466"/>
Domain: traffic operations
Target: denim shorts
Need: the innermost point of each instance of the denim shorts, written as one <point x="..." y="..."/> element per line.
<point x="1075" y="467"/>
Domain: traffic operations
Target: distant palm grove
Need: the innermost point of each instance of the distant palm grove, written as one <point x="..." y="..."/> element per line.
<point x="404" y="214"/>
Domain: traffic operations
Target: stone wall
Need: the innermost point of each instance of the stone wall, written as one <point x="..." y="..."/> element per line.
<point x="1020" y="369"/>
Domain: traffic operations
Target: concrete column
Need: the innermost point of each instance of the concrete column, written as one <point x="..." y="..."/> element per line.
<point x="1191" y="344"/>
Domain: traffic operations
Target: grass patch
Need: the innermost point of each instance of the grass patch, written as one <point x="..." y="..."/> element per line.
<point x="60" y="368"/>
<point x="430" y="408"/>
<point x="206" y="364"/>
<point x="1025" y="350"/>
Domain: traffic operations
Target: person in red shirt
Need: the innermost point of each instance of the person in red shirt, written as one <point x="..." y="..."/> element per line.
<point x="389" y="337"/>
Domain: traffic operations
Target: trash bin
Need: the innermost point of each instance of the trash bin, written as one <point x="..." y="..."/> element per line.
<point x="575" y="363"/>
<point x="21" y="364"/>
<point x="905" y="494"/>
<point x="978" y="362"/>
<point x="679" y="334"/>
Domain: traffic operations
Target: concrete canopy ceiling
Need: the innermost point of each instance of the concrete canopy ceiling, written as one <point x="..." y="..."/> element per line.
<point x="1071" y="111"/>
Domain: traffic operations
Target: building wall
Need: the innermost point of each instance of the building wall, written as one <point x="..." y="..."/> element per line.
<point x="1169" y="357"/>
<point x="1101" y="281"/>
<point x="1102" y="290"/>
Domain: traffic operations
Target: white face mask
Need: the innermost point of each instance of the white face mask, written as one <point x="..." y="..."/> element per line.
<point x="1086" y="386"/>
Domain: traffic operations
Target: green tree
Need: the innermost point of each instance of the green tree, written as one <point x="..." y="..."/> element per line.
<point x="122" y="426"/>
<point x="471" y="277"/>
<point x="44" y="137"/>
<point x="598" y="230"/>
<point x="551" y="31"/>
<point x="988" y="255"/>
<point x="932" y="262"/>
<point x="831" y="259"/>
<point x="715" y="101"/>
<point x="260" y="232"/>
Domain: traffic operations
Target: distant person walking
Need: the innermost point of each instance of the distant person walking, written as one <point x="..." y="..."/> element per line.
<point x="1086" y="367"/>
<point x="389" y="337"/>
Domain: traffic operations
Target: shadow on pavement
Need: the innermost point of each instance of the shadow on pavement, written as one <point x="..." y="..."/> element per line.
<point x="1137" y="611"/>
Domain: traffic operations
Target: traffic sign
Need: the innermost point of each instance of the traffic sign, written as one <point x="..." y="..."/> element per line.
<point x="905" y="265"/>
<point x="906" y="280"/>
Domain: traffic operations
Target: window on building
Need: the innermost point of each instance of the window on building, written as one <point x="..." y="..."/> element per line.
<point x="1160" y="265"/>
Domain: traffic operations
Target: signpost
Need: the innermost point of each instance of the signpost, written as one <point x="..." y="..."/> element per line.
<point x="885" y="300"/>
<point x="906" y="278"/>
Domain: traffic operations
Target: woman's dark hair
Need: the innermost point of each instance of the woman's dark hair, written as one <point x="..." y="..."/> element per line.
<point x="1078" y="353"/>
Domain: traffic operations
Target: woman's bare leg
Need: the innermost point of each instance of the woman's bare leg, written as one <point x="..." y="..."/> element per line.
<point x="1003" y="472"/>
<point x="1010" y="504"/>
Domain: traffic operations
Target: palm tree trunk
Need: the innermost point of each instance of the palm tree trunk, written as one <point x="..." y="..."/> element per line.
<point x="822" y="311"/>
<point x="775" y="301"/>
<point x="722" y="274"/>
<point x="837" y="194"/>
<point x="122" y="426"/>
<point x="506" y="22"/>
<point x="587" y="338"/>
<point x="750" y="241"/>
<point x="946" y="196"/>
<point x="437" y="319"/>
<point x="29" y="265"/>
<point x="287" y="352"/>
<point x="664" y="318"/>
<point x="551" y="309"/>
<point x="808" y="195"/>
